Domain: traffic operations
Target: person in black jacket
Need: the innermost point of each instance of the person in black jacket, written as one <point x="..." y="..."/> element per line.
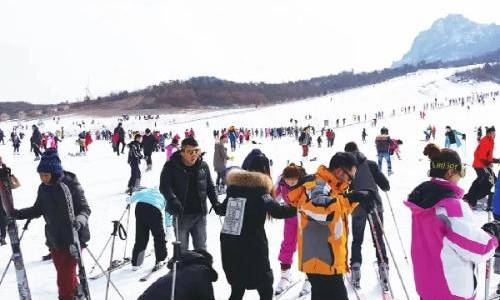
<point x="194" y="278"/>
<point x="3" y="225"/>
<point x="51" y="204"/>
<point x="368" y="177"/>
<point x="35" y="140"/>
<point x="134" y="160"/>
<point x="121" y="138"/>
<point x="244" y="246"/>
<point x="148" y="144"/>
<point x="185" y="182"/>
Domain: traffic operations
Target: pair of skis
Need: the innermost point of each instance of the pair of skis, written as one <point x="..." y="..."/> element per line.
<point x="288" y="288"/>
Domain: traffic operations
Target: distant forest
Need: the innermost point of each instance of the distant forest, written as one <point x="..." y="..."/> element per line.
<point x="489" y="72"/>
<point x="213" y="92"/>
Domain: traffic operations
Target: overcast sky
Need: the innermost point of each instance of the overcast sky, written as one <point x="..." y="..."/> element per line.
<point x="50" y="50"/>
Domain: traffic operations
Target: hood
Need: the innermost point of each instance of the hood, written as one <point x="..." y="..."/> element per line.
<point x="242" y="178"/>
<point x="429" y="193"/>
<point x="193" y="258"/>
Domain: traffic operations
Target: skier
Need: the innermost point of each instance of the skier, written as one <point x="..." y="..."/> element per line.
<point x="483" y="160"/>
<point x="447" y="245"/>
<point x="324" y="203"/>
<point x="452" y="138"/>
<point x="394" y="147"/>
<point x="134" y="160"/>
<point x="305" y="141"/>
<point x="220" y="162"/>
<point x="319" y="140"/>
<point x="51" y="204"/>
<point x="364" y="135"/>
<point x="172" y="147"/>
<point x="193" y="279"/>
<point x="383" y="142"/>
<point x="35" y="140"/>
<point x="16" y="143"/>
<point x="148" y="144"/>
<point x="88" y="140"/>
<point x="185" y="182"/>
<point x="288" y="180"/>
<point x="232" y="139"/>
<point x="150" y="215"/>
<point x="119" y="132"/>
<point x="368" y="177"/>
<point x="244" y="248"/>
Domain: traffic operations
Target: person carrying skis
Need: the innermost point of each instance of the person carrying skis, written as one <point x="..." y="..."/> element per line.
<point x="244" y="247"/>
<point x="220" y="162"/>
<point x="447" y="245"/>
<point x="134" y="160"/>
<point x="148" y="144"/>
<point x="368" y="177"/>
<point x="185" y="182"/>
<point x="193" y="278"/>
<point x="483" y="160"/>
<point x="51" y="203"/>
<point x="324" y="205"/>
<point x="383" y="142"/>
<point x="289" y="179"/>
<point x="150" y="216"/>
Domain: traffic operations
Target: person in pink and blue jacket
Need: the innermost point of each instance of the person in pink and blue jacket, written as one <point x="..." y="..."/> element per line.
<point x="447" y="244"/>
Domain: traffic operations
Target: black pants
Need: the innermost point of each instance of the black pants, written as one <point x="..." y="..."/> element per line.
<point x="135" y="173"/>
<point x="481" y="187"/>
<point x="147" y="155"/>
<point x="37" y="151"/>
<point x="329" y="287"/>
<point x="265" y="292"/>
<point x="358" y="233"/>
<point x="118" y="146"/>
<point x="148" y="218"/>
<point x="3" y="225"/>
<point x="221" y="178"/>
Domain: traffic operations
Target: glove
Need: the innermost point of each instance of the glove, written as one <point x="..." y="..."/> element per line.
<point x="175" y="208"/>
<point x="364" y="198"/>
<point x="492" y="228"/>
<point x="77" y="225"/>
<point x="15" y="214"/>
<point x="496" y="160"/>
<point x="219" y="209"/>
<point x="231" y="158"/>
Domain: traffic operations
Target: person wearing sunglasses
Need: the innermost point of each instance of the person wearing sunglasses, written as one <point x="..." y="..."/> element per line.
<point x="185" y="182"/>
<point x="447" y="245"/>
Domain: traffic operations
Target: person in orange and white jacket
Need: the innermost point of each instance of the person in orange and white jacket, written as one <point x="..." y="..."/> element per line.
<point x="324" y="203"/>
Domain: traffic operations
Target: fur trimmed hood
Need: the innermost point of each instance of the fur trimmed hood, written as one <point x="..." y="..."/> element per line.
<point x="248" y="179"/>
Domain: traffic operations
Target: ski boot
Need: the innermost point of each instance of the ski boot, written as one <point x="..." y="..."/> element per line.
<point x="158" y="265"/>
<point x="306" y="288"/>
<point x="390" y="172"/>
<point x="356" y="275"/>
<point x="284" y="282"/>
<point x="383" y="273"/>
<point x="2" y="241"/>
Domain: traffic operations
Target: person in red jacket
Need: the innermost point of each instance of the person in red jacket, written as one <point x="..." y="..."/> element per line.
<point x="483" y="160"/>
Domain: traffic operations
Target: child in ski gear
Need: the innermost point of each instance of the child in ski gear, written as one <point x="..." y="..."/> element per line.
<point x="483" y="160"/>
<point x="383" y="142"/>
<point x="447" y="245"/>
<point x="244" y="248"/>
<point x="185" y="182"/>
<point x="220" y="162"/>
<point x="51" y="204"/>
<point x="289" y="179"/>
<point x="150" y="216"/>
<point x="194" y="277"/>
<point x="134" y="160"/>
<point x="368" y="177"/>
<point x="172" y="148"/>
<point x="324" y="206"/>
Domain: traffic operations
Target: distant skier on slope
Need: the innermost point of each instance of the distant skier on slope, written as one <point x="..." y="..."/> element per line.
<point x="51" y="204"/>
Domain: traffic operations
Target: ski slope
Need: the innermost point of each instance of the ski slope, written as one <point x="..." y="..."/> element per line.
<point x="104" y="176"/>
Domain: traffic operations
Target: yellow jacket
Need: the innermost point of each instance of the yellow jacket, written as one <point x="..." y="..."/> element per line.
<point x="323" y="223"/>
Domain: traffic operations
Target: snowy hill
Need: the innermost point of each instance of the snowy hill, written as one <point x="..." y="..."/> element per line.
<point x="104" y="175"/>
<point x="452" y="38"/>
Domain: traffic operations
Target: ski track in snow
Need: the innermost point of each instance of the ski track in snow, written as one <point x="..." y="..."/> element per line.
<point x="104" y="176"/>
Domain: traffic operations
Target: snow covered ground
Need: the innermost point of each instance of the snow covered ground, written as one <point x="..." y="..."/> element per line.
<point x="104" y="175"/>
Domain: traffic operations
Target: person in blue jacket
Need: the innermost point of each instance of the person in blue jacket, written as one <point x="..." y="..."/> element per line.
<point x="150" y="216"/>
<point x="452" y="138"/>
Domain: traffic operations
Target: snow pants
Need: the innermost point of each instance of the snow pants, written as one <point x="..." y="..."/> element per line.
<point x="36" y="149"/>
<point x="481" y="187"/>
<point x="65" y="264"/>
<point x="327" y="287"/>
<point x="135" y="174"/>
<point x="289" y="243"/>
<point x="148" y="219"/>
<point x="358" y="233"/>
<point x="147" y="156"/>
<point x="196" y="226"/>
<point x="221" y="178"/>
<point x="265" y="292"/>
<point x="3" y="224"/>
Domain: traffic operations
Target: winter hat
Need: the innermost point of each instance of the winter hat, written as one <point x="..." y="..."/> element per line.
<point x="50" y="163"/>
<point x="490" y="129"/>
<point x="343" y="160"/>
<point x="251" y="156"/>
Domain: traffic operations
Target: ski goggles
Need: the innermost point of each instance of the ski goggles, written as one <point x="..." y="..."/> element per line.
<point x="195" y="151"/>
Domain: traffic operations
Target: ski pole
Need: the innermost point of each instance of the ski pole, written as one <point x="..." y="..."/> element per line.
<point x="116" y="225"/>
<point x="352" y="287"/>
<point x="488" y="271"/>
<point x="25" y="227"/>
<point x="392" y="254"/>
<point x="379" y="249"/>
<point x="102" y="270"/>
<point x="177" y="249"/>
<point x="126" y="240"/>
<point x="397" y="228"/>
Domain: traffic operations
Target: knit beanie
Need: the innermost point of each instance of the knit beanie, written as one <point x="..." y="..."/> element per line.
<point x="250" y="157"/>
<point x="50" y="163"/>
